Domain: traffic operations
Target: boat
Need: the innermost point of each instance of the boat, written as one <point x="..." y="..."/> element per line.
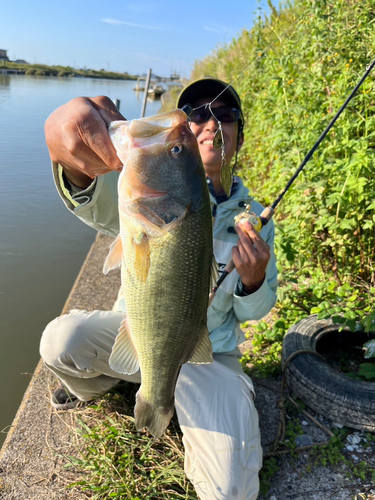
<point x="156" y="89"/>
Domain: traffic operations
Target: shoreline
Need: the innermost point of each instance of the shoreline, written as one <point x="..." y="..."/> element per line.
<point x="57" y="70"/>
<point x="11" y="71"/>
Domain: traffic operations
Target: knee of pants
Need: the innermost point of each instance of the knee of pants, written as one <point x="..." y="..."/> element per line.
<point x="65" y="334"/>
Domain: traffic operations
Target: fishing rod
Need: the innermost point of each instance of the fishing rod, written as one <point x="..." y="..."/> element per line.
<point x="260" y="221"/>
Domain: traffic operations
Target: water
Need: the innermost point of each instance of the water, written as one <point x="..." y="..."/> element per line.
<point x="42" y="245"/>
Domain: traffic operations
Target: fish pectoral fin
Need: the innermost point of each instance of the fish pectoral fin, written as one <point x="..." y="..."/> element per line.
<point x="214" y="273"/>
<point x="114" y="257"/>
<point x="142" y="256"/>
<point x="124" y="356"/>
<point x="203" y="352"/>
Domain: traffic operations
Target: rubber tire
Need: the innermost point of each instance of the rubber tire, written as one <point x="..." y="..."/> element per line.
<point x="335" y="396"/>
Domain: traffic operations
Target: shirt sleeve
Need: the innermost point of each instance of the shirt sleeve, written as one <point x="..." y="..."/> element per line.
<point x="95" y="205"/>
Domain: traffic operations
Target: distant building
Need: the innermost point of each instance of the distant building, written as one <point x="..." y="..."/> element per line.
<point x="3" y="55"/>
<point x="21" y="61"/>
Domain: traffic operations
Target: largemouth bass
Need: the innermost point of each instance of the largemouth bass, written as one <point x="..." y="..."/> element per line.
<point x="165" y="250"/>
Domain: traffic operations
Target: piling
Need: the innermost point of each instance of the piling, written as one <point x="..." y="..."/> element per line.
<point x="147" y="85"/>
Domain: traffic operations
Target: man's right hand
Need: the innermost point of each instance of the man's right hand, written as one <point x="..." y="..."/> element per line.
<point x="77" y="138"/>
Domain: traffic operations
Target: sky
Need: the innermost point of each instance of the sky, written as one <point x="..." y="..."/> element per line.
<point x="118" y="35"/>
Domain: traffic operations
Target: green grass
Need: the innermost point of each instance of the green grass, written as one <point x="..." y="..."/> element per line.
<point x="113" y="460"/>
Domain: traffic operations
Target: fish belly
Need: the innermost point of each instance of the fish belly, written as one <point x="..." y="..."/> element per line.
<point x="167" y="314"/>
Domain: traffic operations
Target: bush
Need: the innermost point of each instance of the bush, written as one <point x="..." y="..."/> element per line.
<point x="325" y="224"/>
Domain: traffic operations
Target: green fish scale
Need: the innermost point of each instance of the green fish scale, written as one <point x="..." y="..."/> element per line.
<point x="168" y="313"/>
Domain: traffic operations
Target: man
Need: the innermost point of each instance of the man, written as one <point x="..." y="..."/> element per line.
<point x="215" y="402"/>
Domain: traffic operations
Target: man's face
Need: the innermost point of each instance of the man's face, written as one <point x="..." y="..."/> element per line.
<point x="205" y="134"/>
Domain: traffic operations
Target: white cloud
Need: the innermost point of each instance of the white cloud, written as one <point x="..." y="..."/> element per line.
<point x="111" y="21"/>
<point x="207" y="28"/>
<point x="217" y="28"/>
<point x="134" y="25"/>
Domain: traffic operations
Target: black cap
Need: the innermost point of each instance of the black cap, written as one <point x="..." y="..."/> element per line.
<point x="210" y="87"/>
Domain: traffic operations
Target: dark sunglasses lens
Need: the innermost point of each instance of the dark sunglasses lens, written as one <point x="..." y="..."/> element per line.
<point x="200" y="115"/>
<point x="223" y="114"/>
<point x="226" y="114"/>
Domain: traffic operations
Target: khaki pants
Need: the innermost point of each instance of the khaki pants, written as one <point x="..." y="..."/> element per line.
<point x="214" y="403"/>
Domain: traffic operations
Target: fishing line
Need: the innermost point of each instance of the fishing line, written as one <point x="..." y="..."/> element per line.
<point x="266" y="215"/>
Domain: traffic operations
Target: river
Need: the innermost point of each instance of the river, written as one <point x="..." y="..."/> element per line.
<point x="42" y="246"/>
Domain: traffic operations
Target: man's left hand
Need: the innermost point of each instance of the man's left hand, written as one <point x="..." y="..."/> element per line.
<point x="250" y="256"/>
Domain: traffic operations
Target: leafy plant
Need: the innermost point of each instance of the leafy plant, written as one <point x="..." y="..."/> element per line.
<point x="325" y="225"/>
<point x="58" y="70"/>
<point x="269" y="469"/>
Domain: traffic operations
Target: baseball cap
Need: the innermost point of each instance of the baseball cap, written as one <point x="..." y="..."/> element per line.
<point x="209" y="87"/>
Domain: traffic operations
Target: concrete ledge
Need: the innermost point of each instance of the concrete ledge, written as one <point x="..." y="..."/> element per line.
<point x="30" y="459"/>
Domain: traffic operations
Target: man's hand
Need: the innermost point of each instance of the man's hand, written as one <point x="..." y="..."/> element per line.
<point x="250" y="257"/>
<point x="77" y="138"/>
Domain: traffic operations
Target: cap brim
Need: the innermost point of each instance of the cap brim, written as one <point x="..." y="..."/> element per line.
<point x="208" y="88"/>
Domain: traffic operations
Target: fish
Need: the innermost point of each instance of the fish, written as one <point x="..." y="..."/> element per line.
<point x="165" y="250"/>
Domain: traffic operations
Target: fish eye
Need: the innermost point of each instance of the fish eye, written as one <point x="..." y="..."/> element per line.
<point x="176" y="149"/>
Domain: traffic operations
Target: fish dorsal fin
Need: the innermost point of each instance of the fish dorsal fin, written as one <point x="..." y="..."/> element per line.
<point x="142" y="256"/>
<point x="203" y="352"/>
<point x="214" y="273"/>
<point x="124" y="356"/>
<point x="114" y="257"/>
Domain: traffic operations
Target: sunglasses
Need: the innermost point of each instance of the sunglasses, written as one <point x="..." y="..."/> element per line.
<point x="223" y="114"/>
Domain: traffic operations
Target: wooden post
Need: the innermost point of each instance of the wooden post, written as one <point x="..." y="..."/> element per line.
<point x="145" y="94"/>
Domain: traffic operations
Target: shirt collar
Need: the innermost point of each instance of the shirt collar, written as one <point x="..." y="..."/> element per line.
<point x="222" y="197"/>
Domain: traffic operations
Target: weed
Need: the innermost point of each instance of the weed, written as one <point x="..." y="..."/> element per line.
<point x="269" y="469"/>
<point x="115" y="461"/>
<point x="325" y="225"/>
<point x="264" y="358"/>
<point x="334" y="453"/>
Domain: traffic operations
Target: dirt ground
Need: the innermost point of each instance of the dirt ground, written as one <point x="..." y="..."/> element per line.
<point x="303" y="476"/>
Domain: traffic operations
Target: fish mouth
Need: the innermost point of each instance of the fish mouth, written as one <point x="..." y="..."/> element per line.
<point x="153" y="125"/>
<point x="149" y="134"/>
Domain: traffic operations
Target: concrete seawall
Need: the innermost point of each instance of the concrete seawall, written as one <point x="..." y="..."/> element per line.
<point x="30" y="458"/>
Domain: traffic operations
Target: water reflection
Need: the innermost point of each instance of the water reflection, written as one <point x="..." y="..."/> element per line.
<point x="4" y="80"/>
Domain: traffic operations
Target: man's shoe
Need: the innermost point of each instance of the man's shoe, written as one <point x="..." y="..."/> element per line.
<point x="62" y="399"/>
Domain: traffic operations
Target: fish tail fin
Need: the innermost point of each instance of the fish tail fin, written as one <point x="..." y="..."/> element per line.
<point x="155" y="419"/>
